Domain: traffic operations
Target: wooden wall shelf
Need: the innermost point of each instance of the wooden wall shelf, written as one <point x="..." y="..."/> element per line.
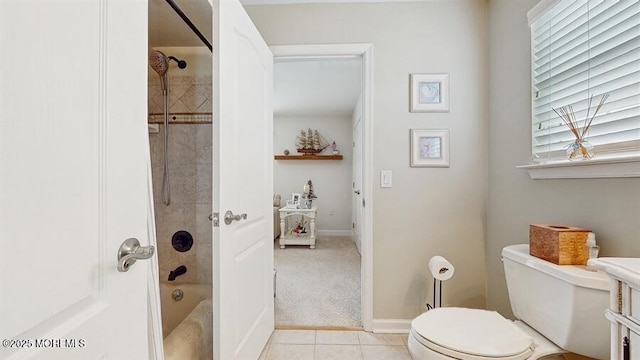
<point x="308" y="157"/>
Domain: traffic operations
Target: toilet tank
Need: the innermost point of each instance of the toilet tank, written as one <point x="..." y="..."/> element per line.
<point x="565" y="303"/>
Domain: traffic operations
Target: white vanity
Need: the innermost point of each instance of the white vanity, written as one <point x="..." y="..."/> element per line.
<point x="624" y="306"/>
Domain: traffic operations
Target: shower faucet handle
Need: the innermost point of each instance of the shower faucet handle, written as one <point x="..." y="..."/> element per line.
<point x="229" y="217"/>
<point x="130" y="251"/>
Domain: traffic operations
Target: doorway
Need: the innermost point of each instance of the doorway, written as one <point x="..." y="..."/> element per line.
<point x="336" y="210"/>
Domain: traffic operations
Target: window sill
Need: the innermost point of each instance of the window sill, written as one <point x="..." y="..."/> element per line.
<point x="620" y="167"/>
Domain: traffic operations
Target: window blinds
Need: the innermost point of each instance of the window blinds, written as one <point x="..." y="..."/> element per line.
<point x="581" y="48"/>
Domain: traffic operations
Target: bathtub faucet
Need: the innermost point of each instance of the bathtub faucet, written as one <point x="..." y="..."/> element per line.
<point x="180" y="270"/>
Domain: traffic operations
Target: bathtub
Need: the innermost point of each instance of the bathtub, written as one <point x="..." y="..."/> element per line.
<point x="187" y="324"/>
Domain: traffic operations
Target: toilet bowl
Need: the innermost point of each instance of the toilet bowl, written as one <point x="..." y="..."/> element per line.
<point x="559" y="309"/>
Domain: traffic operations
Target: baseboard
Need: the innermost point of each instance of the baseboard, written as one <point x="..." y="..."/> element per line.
<point x="391" y="326"/>
<point x="334" y="232"/>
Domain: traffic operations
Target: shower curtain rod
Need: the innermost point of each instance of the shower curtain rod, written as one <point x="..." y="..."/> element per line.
<point x="186" y="19"/>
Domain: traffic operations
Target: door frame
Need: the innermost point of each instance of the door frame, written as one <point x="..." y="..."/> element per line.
<point x="365" y="51"/>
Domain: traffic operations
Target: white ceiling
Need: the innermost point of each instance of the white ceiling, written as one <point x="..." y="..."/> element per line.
<point x="316" y="87"/>
<point x="301" y="87"/>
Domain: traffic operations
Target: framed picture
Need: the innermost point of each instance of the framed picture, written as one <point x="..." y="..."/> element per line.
<point x="295" y="199"/>
<point x="429" y="148"/>
<point x="429" y="93"/>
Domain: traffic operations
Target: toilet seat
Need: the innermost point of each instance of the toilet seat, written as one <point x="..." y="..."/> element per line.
<point x="464" y="333"/>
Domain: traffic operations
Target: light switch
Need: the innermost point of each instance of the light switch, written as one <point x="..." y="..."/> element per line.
<point x="386" y="179"/>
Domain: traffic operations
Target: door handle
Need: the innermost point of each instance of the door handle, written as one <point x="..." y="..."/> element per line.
<point x="229" y="217"/>
<point x="357" y="192"/>
<point x="130" y="251"/>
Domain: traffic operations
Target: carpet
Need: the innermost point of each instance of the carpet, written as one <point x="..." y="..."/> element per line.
<point x="318" y="287"/>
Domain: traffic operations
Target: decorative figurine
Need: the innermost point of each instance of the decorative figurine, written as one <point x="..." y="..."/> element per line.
<point x="334" y="148"/>
<point x="307" y="195"/>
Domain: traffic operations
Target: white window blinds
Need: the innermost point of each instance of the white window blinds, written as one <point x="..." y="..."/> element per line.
<point x="581" y="48"/>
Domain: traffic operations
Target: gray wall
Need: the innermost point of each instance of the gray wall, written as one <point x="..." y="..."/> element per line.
<point x="428" y="211"/>
<point x="609" y="207"/>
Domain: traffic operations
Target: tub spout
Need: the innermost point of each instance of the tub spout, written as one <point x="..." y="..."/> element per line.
<point x="180" y="270"/>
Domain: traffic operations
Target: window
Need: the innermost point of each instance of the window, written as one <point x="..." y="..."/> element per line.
<point x="579" y="49"/>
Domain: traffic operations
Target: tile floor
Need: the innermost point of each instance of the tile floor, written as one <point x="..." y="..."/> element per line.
<point x="335" y="345"/>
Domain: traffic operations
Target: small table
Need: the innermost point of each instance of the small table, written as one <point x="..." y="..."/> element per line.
<point x="288" y="236"/>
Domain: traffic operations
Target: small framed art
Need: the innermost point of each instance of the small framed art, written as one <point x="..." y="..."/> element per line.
<point x="429" y="148"/>
<point x="295" y="199"/>
<point x="429" y="93"/>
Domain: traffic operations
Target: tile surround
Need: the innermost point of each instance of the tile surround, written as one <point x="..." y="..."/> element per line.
<point x="204" y="145"/>
<point x="335" y="345"/>
<point x="190" y="184"/>
<point x="187" y="95"/>
<point x="190" y="169"/>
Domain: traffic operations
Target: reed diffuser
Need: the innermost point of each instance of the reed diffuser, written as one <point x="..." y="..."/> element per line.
<point x="580" y="148"/>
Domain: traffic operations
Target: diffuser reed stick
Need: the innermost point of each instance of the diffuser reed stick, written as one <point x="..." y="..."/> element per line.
<point x="568" y="116"/>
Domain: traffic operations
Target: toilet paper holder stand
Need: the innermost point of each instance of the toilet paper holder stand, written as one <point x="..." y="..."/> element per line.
<point x="439" y="304"/>
<point x="442" y="270"/>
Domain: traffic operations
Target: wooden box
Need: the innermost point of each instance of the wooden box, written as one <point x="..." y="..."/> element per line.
<point x="559" y="244"/>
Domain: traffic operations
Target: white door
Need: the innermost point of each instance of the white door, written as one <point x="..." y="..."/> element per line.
<point x="243" y="184"/>
<point x="73" y="178"/>
<point x="357" y="184"/>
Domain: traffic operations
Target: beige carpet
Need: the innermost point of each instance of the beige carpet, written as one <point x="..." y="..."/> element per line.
<point x="318" y="287"/>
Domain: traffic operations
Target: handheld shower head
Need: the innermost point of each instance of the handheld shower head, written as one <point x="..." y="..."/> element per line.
<point x="158" y="62"/>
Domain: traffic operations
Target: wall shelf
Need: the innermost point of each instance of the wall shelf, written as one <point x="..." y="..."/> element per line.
<point x="308" y="157"/>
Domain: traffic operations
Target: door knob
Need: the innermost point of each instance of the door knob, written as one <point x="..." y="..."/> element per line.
<point x="357" y="192"/>
<point x="130" y="251"/>
<point x="229" y="217"/>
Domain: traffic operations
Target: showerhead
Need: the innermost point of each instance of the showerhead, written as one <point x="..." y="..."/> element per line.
<point x="158" y="62"/>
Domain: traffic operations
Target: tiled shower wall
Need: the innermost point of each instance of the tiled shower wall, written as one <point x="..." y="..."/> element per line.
<point x="189" y="149"/>
<point x="187" y="95"/>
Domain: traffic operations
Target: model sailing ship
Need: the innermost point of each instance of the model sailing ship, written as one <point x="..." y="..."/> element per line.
<point x="310" y="142"/>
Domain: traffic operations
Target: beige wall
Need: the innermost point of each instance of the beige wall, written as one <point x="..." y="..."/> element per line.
<point x="610" y="207"/>
<point x="428" y="211"/>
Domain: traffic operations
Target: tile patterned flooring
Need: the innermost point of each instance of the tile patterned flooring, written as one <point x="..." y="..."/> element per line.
<point x="335" y="345"/>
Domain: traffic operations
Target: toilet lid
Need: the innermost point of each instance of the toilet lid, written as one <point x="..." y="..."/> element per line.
<point x="474" y="332"/>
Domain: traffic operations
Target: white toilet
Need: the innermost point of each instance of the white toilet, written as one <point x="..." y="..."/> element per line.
<point x="564" y="304"/>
